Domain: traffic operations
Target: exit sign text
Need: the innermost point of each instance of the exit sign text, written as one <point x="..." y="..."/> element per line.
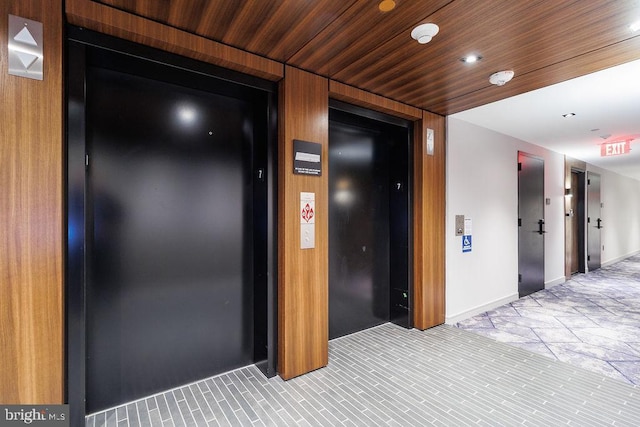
<point x="614" y="148"/>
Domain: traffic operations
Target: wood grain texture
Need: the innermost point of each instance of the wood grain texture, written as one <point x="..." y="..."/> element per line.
<point x="31" y="247"/>
<point x="544" y="42"/>
<point x="360" y="30"/>
<point x="303" y="275"/>
<point x="527" y="37"/>
<point x="274" y="29"/>
<point x="372" y="101"/>
<point x="114" y="22"/>
<point x="429" y="224"/>
<point x="590" y="62"/>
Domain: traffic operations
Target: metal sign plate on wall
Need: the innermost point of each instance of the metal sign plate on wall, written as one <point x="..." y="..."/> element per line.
<point x="25" y="48"/>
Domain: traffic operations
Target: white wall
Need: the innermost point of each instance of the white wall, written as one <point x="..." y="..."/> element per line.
<point x="620" y="197"/>
<point x="482" y="184"/>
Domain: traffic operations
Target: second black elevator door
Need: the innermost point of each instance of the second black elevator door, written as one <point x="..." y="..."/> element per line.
<point x="170" y="286"/>
<point x="368" y="223"/>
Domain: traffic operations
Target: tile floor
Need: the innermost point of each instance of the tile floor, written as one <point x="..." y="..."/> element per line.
<point x="591" y="321"/>
<point x="391" y="376"/>
<point x="445" y="376"/>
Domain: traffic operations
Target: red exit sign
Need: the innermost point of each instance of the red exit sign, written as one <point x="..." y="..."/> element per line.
<point x="615" y="148"/>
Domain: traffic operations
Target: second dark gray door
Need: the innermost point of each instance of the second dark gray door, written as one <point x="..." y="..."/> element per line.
<point x="531" y="224"/>
<point x="368" y="223"/>
<point x="594" y="221"/>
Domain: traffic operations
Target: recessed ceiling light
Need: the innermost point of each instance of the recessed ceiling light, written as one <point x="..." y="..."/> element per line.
<point x="568" y="115"/>
<point x="387" y="5"/>
<point x="470" y="59"/>
<point x="635" y="26"/>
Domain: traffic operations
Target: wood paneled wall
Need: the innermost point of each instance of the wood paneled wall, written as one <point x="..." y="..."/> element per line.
<point x="429" y="224"/>
<point x="114" y="22"/>
<point x="303" y="274"/>
<point x="31" y="215"/>
<point x="31" y="200"/>
<point x="369" y="100"/>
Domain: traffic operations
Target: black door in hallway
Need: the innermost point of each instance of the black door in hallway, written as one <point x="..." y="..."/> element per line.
<point x="369" y="190"/>
<point x="576" y="222"/>
<point x="175" y="283"/>
<point x="594" y="221"/>
<point x="531" y="227"/>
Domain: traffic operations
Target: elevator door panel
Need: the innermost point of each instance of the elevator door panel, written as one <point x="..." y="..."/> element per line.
<point x="368" y="225"/>
<point x="169" y="295"/>
<point x="530" y="224"/>
<point x="594" y="221"/>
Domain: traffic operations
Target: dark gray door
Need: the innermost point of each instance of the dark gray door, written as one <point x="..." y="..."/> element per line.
<point x="531" y="224"/>
<point x="594" y="221"/>
<point x="368" y="223"/>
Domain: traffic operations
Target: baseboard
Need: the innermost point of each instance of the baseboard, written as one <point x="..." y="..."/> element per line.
<point x="452" y="320"/>
<point x="613" y="261"/>
<point x="555" y="282"/>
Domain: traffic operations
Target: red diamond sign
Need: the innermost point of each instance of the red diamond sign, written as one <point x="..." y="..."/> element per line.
<point x="307" y="212"/>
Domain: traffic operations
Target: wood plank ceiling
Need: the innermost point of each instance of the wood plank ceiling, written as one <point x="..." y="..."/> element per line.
<point x="353" y="42"/>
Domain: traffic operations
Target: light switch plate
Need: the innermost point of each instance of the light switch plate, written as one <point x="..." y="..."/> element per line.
<point x="459" y="225"/>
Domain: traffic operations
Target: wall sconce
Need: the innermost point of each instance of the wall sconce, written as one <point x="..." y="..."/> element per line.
<point x="567" y="192"/>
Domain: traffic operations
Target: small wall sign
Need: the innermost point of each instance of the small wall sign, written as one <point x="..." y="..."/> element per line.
<point x="466" y="243"/>
<point x="307" y="220"/>
<point x="615" y="148"/>
<point x="307" y="158"/>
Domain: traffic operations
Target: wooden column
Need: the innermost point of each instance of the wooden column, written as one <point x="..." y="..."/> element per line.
<point x="303" y="274"/>
<point x="429" y="223"/>
<point x="31" y="229"/>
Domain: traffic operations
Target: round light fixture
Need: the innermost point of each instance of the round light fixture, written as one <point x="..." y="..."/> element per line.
<point x="425" y="32"/>
<point x="387" y="5"/>
<point x="501" y="77"/>
<point x="470" y="59"/>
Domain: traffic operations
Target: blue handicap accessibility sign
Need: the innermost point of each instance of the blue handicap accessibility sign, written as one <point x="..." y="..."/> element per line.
<point x="466" y="243"/>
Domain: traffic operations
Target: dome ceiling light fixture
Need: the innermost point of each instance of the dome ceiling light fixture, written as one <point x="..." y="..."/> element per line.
<point x="425" y="32"/>
<point x="501" y="77"/>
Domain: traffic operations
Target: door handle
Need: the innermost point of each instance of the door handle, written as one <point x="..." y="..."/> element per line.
<point x="599" y="223"/>
<point x="541" y="226"/>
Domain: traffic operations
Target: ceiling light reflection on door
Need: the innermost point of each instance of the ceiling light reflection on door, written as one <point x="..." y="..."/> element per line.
<point x="186" y="114"/>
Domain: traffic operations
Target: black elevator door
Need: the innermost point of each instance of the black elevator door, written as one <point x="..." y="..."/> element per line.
<point x="368" y="223"/>
<point x="170" y="236"/>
